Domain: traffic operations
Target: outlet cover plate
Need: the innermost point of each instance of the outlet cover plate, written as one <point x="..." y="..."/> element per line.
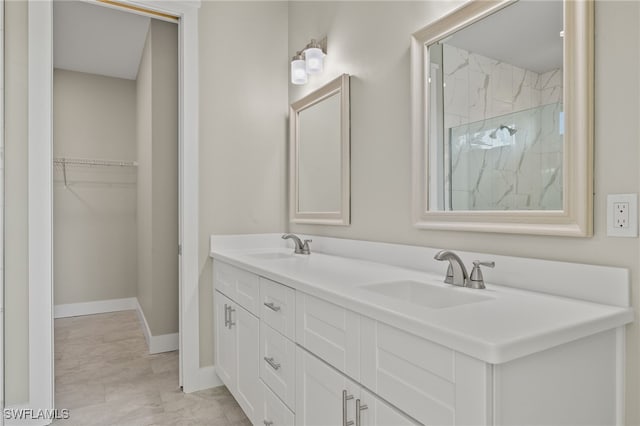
<point x="632" y="229"/>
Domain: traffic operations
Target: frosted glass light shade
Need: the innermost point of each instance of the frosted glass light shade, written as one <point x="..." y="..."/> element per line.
<point x="298" y="72"/>
<point x="314" y="59"/>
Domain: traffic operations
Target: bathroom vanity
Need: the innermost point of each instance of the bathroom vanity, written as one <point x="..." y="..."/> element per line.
<point x="361" y="333"/>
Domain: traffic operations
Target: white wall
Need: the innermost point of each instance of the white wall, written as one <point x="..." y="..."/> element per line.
<point x="371" y="42"/>
<point x="243" y="127"/>
<point x="157" y="90"/>
<point x="94" y="217"/>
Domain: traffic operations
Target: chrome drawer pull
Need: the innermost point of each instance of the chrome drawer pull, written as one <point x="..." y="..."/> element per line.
<point x="345" y="398"/>
<point x="226" y="315"/>
<point x="359" y="407"/>
<point x="231" y="323"/>
<point x="272" y="306"/>
<point x="267" y="423"/>
<point x="272" y="363"/>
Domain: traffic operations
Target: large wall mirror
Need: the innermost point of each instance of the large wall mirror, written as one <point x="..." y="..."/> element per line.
<point x="503" y="118"/>
<point x="319" y="155"/>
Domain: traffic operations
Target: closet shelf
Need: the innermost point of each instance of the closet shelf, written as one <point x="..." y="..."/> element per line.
<point x="63" y="162"/>
<point x="89" y="162"/>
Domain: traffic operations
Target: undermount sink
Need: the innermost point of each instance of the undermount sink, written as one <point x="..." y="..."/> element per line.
<point x="427" y="295"/>
<point x="271" y="255"/>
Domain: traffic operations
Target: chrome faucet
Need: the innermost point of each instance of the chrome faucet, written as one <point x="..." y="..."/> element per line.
<point x="456" y="272"/>
<point x="301" y="248"/>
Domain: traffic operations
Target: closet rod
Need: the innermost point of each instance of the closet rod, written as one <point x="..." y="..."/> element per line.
<point x="117" y="4"/>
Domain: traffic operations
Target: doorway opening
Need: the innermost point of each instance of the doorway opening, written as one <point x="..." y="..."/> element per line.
<point x="115" y="202"/>
<point x="40" y="198"/>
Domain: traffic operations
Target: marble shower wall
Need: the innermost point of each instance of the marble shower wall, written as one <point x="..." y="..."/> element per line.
<point x="494" y="170"/>
<point x="522" y="171"/>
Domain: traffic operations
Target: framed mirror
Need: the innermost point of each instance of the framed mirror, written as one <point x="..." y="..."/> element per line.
<point x="502" y="115"/>
<point x="319" y="156"/>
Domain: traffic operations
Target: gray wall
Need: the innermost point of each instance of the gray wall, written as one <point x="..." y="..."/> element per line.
<point x="371" y="42"/>
<point x="16" y="297"/>
<point x="157" y="92"/>
<point x="94" y="228"/>
<point x="145" y="177"/>
<point x="243" y="130"/>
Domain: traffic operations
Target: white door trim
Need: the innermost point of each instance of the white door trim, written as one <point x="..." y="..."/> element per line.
<point x="40" y="80"/>
<point x="40" y="198"/>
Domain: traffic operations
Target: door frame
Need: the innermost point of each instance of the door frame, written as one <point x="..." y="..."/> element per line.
<point x="40" y="197"/>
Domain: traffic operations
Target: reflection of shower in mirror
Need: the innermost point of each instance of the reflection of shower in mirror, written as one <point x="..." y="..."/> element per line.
<point x="512" y="131"/>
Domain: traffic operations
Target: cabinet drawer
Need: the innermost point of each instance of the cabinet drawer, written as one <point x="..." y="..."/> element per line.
<point x="238" y="285"/>
<point x="277" y="363"/>
<point x="430" y="382"/>
<point x="330" y="332"/>
<point x="278" y="307"/>
<point x="274" y="412"/>
<point x="412" y="373"/>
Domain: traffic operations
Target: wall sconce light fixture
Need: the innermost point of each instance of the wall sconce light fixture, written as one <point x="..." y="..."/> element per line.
<point x="298" y="69"/>
<point x="308" y="61"/>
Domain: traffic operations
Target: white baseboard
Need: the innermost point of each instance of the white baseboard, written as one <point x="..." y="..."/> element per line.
<point x="160" y="343"/>
<point x="205" y="378"/>
<point x="96" y="307"/>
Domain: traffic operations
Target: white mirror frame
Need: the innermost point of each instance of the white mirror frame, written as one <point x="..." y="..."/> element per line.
<point x="576" y="217"/>
<point x="342" y="217"/>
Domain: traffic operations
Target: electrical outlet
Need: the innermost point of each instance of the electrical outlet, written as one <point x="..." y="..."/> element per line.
<point x="622" y="215"/>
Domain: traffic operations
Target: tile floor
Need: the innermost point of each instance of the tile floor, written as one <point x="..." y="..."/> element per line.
<point x="105" y="376"/>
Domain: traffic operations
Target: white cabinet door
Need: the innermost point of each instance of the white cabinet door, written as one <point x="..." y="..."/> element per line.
<point x="329" y="331"/>
<point x="319" y="393"/>
<point x="225" y="342"/>
<point x="248" y="392"/>
<point x="237" y="343"/>
<point x="376" y="412"/>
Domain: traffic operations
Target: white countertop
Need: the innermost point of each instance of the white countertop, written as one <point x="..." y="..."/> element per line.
<point x="512" y="324"/>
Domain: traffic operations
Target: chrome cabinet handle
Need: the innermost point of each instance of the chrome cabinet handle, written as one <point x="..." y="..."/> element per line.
<point x="231" y="323"/>
<point x="226" y="315"/>
<point x="359" y="408"/>
<point x="272" y="306"/>
<point x="272" y="363"/>
<point x="345" y="398"/>
<point x="267" y="422"/>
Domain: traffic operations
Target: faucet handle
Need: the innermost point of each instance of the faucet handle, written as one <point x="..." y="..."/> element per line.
<point x="476" y="280"/>
<point x="488" y="263"/>
<point x="305" y="247"/>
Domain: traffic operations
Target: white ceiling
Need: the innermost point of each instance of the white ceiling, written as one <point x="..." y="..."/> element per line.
<point x="97" y="40"/>
<point x="525" y="34"/>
